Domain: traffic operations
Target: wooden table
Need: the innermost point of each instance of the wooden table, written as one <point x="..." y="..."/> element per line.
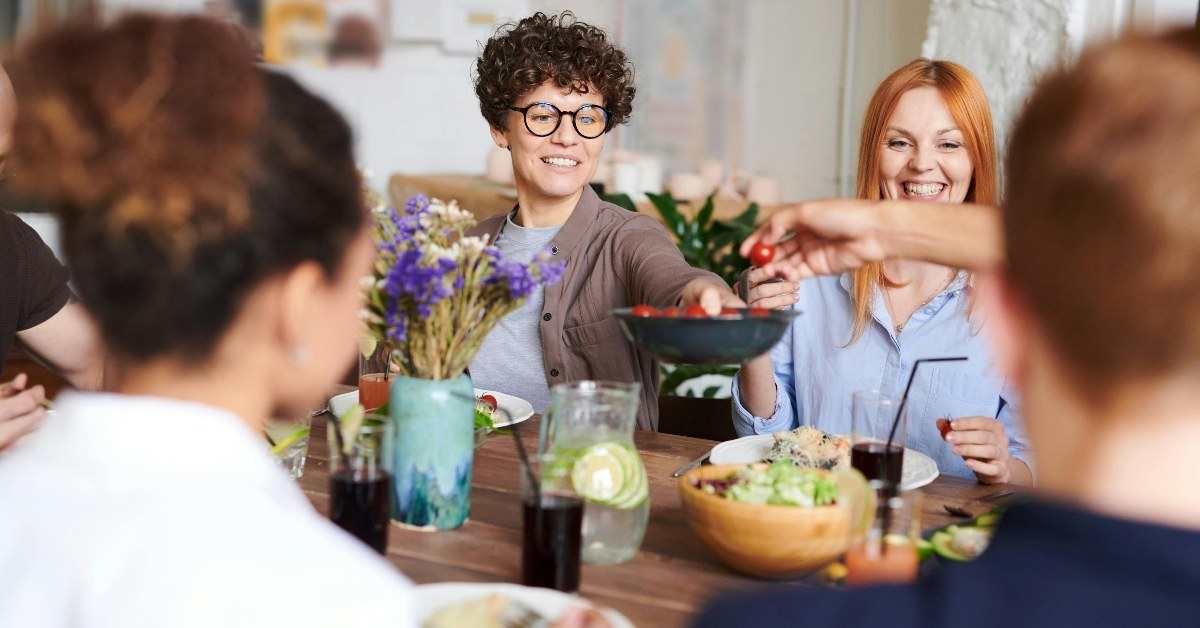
<point x="664" y="585"/>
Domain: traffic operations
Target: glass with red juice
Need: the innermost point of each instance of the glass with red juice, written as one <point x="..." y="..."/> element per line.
<point x="551" y="525"/>
<point x="374" y="376"/>
<point x="360" y="477"/>
<point x="873" y="413"/>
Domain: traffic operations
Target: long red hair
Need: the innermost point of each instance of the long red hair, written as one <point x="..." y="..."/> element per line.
<point x="968" y="105"/>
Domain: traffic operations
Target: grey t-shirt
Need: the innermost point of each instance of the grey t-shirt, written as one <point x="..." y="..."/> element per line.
<point x="510" y="358"/>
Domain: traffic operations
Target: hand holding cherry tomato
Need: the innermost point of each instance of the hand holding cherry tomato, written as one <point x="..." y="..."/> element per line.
<point x="762" y="254"/>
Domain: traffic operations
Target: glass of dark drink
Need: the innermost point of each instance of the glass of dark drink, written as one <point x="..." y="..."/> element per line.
<point x="551" y="524"/>
<point x="360" y="478"/>
<point x="873" y="413"/>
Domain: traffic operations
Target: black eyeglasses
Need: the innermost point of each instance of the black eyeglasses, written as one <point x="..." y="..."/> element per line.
<point x="543" y="118"/>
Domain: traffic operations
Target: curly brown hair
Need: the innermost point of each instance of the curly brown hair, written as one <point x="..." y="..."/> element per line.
<point x="522" y="56"/>
<point x="184" y="175"/>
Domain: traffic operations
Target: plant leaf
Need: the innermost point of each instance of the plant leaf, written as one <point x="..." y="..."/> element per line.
<point x="620" y="199"/>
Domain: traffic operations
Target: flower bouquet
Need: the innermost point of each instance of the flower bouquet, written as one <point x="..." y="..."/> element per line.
<point x="435" y="294"/>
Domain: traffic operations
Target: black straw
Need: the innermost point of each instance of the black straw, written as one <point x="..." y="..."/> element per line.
<point x="531" y="476"/>
<point x="904" y="400"/>
<point x="889" y="489"/>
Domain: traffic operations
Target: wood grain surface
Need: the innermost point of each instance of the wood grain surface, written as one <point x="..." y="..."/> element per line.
<point x="669" y="580"/>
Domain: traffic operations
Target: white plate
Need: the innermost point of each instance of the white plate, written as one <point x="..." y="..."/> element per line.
<point x="918" y="469"/>
<point x="551" y="604"/>
<point x="518" y="409"/>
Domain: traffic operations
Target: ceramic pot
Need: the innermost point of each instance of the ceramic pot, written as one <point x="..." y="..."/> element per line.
<point x="435" y="424"/>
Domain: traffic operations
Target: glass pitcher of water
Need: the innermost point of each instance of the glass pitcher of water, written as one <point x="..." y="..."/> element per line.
<point x="590" y="427"/>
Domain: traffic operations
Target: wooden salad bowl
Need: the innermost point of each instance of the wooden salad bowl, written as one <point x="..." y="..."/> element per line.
<point x="765" y="541"/>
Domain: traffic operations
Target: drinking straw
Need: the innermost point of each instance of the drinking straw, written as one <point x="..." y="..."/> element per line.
<point x="889" y="489"/>
<point x="531" y="477"/>
<point x="904" y="399"/>
<point x="337" y="433"/>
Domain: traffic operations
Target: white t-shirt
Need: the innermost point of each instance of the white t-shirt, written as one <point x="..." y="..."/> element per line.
<point x="128" y="511"/>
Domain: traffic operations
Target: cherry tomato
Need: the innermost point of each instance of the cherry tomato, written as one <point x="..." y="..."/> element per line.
<point x="489" y="400"/>
<point x="762" y="254"/>
<point x="730" y="311"/>
<point x="759" y="311"/>
<point x="671" y="312"/>
<point x="644" y="310"/>
<point x="944" y="427"/>
<point x="695" y="310"/>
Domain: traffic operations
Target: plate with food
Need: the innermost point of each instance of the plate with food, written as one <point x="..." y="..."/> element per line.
<point x="482" y="605"/>
<point x="515" y="408"/>
<point x="808" y="446"/>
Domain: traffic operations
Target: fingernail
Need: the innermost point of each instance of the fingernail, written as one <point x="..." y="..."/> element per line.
<point x="956" y="449"/>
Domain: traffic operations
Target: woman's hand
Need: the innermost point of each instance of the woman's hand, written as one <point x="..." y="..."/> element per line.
<point x="982" y="443"/>
<point x="710" y="296"/>
<point x="765" y="290"/>
<point x="21" y="411"/>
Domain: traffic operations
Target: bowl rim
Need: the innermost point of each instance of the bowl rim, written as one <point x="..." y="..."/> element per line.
<point x="685" y="484"/>
<point x="626" y="313"/>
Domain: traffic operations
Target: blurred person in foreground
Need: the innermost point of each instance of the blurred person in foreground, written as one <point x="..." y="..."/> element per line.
<point x="1093" y="311"/>
<point x="212" y="213"/>
<point x="551" y="88"/>
<point x="35" y="308"/>
<point x="926" y="139"/>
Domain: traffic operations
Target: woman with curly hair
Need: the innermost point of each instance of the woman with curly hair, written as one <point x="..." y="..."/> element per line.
<point x="550" y="88"/>
<point x="212" y="215"/>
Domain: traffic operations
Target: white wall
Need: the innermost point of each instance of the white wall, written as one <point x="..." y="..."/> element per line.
<point x="1008" y="45"/>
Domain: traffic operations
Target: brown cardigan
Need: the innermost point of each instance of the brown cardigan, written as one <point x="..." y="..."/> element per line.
<point x="615" y="258"/>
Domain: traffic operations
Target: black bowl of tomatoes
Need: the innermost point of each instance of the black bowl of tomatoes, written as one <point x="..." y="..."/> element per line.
<point x="689" y="336"/>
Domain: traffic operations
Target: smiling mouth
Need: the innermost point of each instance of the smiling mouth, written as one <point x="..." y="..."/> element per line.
<point x="562" y="162"/>
<point x="923" y="189"/>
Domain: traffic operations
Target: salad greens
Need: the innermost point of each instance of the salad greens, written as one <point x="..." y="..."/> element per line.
<point x="782" y="483"/>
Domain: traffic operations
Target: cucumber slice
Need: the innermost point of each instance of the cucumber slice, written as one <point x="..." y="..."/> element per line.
<point x="610" y="474"/>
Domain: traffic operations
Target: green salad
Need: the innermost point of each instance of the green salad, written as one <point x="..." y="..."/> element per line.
<point x="782" y="483"/>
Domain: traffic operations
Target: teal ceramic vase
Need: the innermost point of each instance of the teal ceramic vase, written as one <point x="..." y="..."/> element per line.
<point x="435" y="425"/>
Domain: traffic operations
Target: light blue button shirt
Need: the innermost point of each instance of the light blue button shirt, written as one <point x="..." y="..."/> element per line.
<point x="817" y="373"/>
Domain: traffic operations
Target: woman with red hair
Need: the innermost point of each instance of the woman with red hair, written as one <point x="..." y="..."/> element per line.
<point x="927" y="138"/>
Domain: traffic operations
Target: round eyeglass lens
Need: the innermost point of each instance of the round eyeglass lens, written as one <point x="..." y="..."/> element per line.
<point x="590" y="121"/>
<point x="542" y="119"/>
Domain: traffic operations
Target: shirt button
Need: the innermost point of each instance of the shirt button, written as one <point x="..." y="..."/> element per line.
<point x="554" y="250"/>
<point x="553" y="372"/>
<point x="546" y="316"/>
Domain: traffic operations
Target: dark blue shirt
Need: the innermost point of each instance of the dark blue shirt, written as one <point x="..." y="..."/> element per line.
<point x="1049" y="565"/>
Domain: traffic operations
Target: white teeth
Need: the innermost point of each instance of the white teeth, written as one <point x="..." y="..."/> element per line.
<point x="923" y="189"/>
<point x="561" y="161"/>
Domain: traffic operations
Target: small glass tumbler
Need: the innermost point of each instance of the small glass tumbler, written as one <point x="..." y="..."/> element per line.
<point x="552" y="525"/>
<point x="360" y="478"/>
<point x="288" y="442"/>
<point x="872" y="416"/>
<point x="886" y="552"/>
<point x="374" y="376"/>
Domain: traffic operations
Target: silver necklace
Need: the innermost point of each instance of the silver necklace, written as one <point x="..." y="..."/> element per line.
<point x="887" y="297"/>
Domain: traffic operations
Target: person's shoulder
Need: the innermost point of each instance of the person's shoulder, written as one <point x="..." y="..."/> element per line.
<point x="488" y="225"/>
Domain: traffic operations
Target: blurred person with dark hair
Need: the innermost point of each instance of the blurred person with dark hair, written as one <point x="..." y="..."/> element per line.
<point x="213" y="216"/>
<point x="551" y="88"/>
<point x="35" y="308"/>
<point x="1092" y="302"/>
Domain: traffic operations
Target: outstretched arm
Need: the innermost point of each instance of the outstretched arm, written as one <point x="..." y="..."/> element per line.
<point x="836" y="235"/>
